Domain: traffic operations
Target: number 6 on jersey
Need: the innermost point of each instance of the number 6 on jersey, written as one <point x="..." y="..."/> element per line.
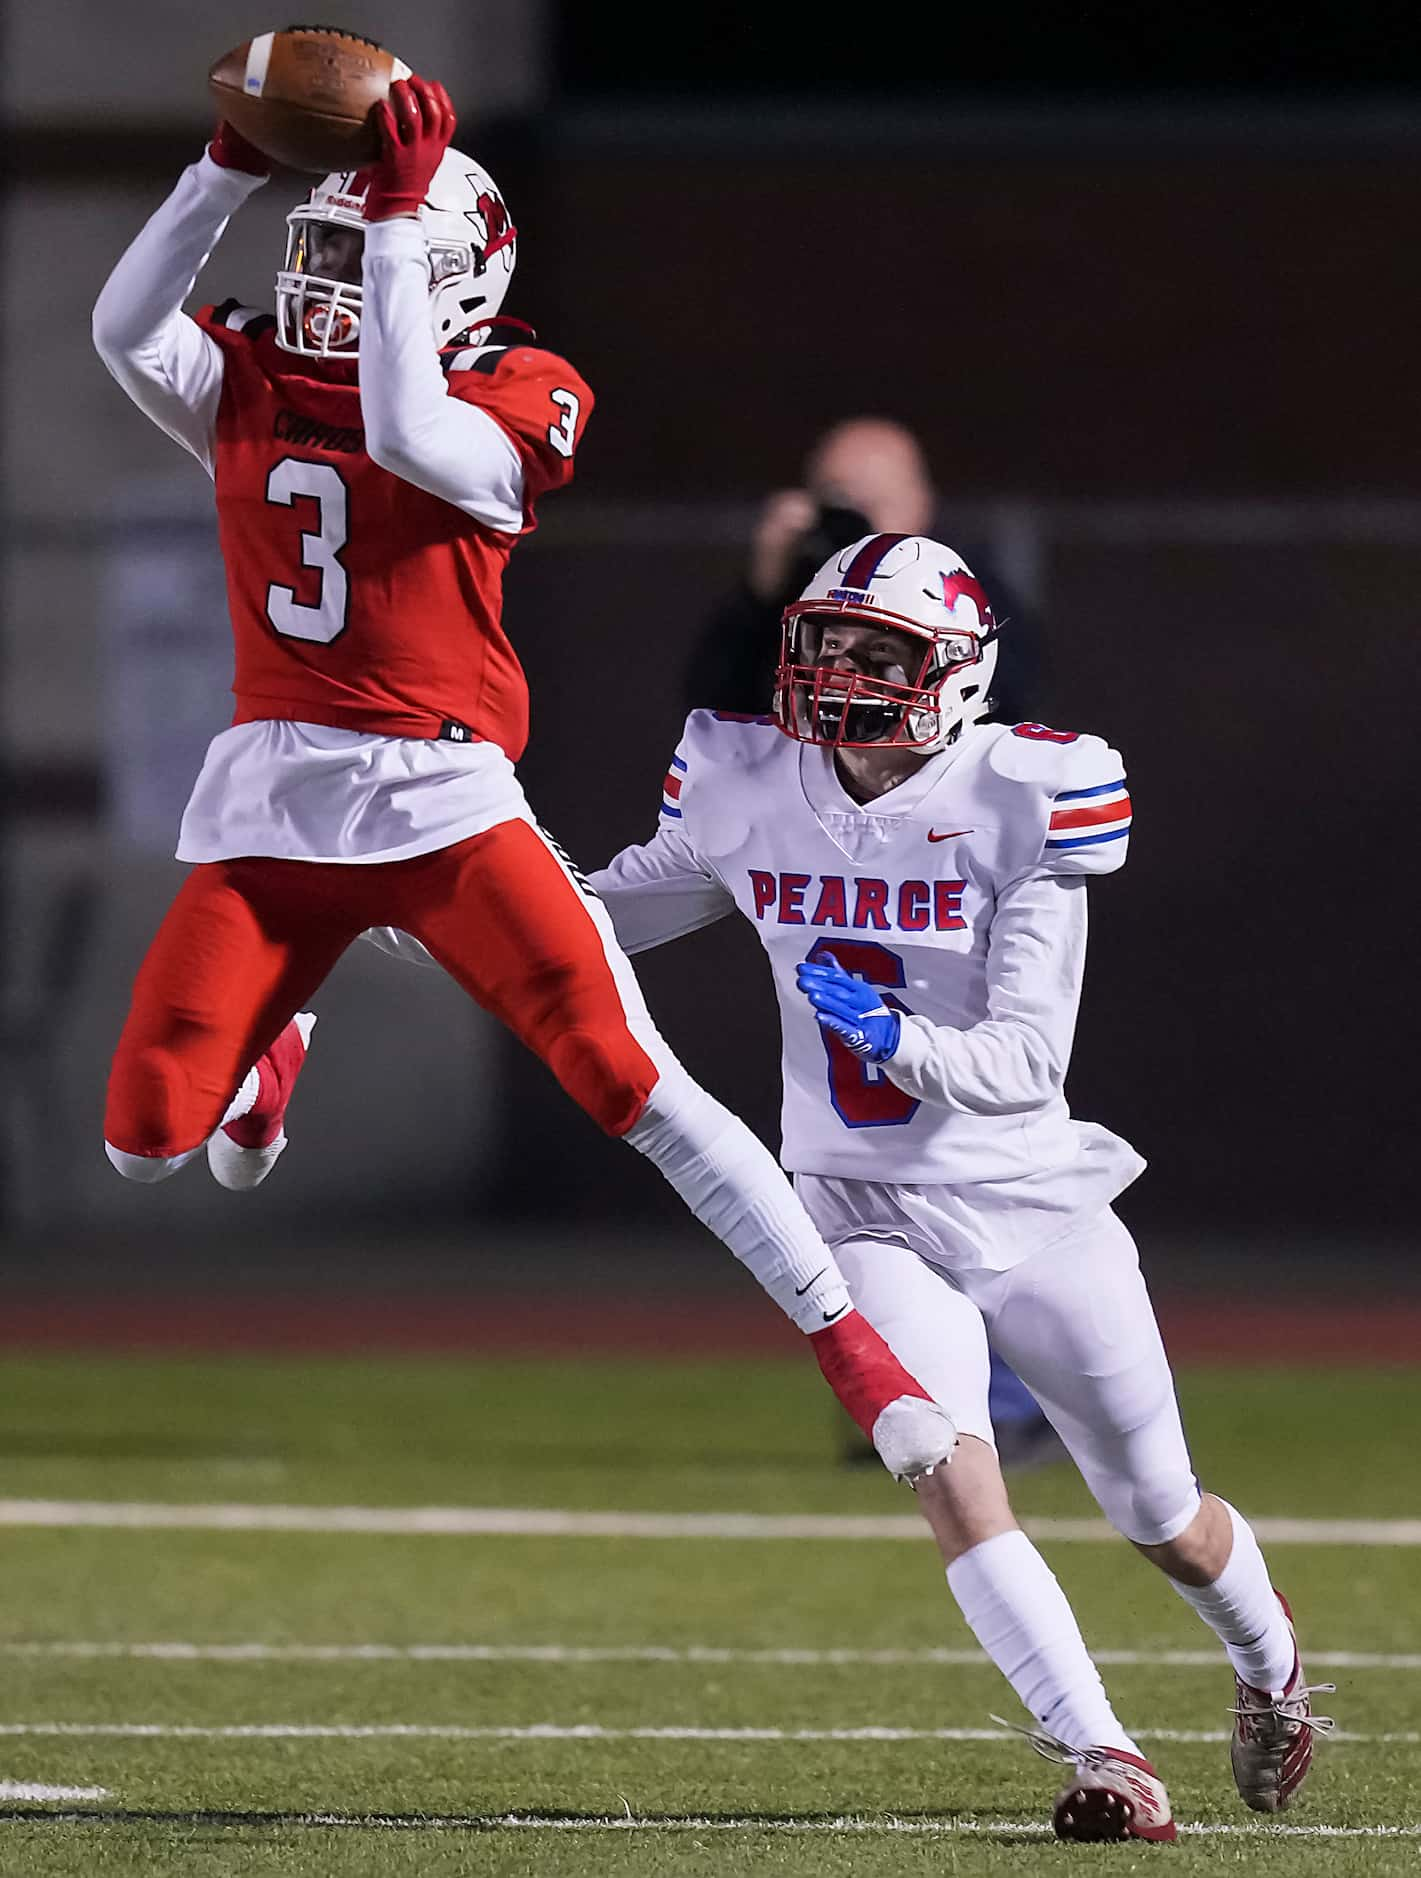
<point x="862" y="1095"/>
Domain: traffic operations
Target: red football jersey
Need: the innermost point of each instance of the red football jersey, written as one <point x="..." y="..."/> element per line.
<point x="356" y="599"/>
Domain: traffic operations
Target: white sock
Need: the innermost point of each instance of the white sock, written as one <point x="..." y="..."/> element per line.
<point x="1018" y="1613"/>
<point x="1242" y="1609"/>
<point x="732" y="1184"/>
<point x="243" y="1102"/>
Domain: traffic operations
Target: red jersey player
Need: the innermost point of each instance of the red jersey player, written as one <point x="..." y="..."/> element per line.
<point x="377" y="450"/>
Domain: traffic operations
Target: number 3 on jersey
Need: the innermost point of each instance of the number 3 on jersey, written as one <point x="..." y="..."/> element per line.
<point x="320" y="548"/>
<point x="861" y="1093"/>
<point x="563" y="435"/>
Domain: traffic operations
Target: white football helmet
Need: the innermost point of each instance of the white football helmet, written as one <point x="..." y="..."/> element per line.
<point x="901" y="583"/>
<point x="470" y="241"/>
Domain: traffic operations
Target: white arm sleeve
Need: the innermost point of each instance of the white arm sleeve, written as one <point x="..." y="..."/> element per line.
<point x="165" y="362"/>
<point x="413" y="428"/>
<point x="1015" y="1060"/>
<point x="660" y="891"/>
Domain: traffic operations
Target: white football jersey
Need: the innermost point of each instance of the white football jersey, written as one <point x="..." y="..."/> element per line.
<point x="960" y="894"/>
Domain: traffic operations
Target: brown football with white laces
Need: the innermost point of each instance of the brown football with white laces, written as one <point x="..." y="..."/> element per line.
<point x="304" y="96"/>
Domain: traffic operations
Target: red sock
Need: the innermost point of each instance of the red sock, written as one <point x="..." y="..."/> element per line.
<point x="861" y="1369"/>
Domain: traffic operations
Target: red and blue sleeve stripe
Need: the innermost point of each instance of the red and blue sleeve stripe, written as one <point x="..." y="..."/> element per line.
<point x="671" y="789"/>
<point x="1089" y="817"/>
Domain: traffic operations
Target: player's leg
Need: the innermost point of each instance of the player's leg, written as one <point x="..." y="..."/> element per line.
<point x="1006" y="1591"/>
<point x="511" y="921"/>
<point x="1077" y="1323"/>
<point x="205" y="1044"/>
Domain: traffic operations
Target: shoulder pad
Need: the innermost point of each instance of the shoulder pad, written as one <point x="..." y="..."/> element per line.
<point x="1075" y="801"/>
<point x="1037" y="753"/>
<point x="232" y="317"/>
<point x="718" y="740"/>
<point x="732" y="736"/>
<point x="521" y="361"/>
<point x="1088" y="829"/>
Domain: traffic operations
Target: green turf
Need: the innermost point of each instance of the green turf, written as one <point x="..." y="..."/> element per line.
<point x="757" y="1436"/>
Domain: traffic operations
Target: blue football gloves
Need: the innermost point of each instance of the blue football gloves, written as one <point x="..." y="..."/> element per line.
<point x="851" y="1011"/>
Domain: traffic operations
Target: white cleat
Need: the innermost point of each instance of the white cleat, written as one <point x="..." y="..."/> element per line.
<point x="1111" y="1794"/>
<point x="1271" y="1751"/>
<point x="241" y="1169"/>
<point x="914" y="1437"/>
<point x="241" y="1154"/>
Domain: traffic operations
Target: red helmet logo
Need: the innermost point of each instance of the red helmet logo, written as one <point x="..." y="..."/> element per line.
<point x="955" y="585"/>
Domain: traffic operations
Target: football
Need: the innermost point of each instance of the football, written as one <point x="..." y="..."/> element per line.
<point x="304" y="96"/>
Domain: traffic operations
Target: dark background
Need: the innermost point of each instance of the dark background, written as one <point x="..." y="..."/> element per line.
<point x="1146" y="311"/>
<point x="1148" y="290"/>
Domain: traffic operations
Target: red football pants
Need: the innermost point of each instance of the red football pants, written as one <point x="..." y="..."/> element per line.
<point x="246" y="943"/>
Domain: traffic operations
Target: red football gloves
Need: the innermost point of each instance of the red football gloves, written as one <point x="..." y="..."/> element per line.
<point x="230" y="150"/>
<point x="415" y="124"/>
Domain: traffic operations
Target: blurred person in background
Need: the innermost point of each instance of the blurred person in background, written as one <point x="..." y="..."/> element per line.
<point x="863" y="476"/>
<point x="377" y="450"/>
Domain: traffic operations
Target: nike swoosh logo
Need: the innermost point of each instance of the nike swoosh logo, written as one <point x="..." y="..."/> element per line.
<point x="934" y="836"/>
<point x="800" y="1290"/>
<point x="832" y="1317"/>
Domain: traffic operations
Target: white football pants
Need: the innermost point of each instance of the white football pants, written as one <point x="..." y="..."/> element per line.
<point x="1076" y="1324"/>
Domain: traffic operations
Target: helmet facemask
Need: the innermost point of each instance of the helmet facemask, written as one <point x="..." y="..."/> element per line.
<point x="914" y="703"/>
<point x="318" y="292"/>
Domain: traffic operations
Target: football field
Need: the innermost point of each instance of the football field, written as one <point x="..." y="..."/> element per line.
<point x="433" y="1616"/>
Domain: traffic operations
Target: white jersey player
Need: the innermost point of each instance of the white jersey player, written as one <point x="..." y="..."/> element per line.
<point x="917" y="876"/>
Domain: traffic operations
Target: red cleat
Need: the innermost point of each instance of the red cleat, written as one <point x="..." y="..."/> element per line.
<point x="242" y="1153"/>
<point x="911" y="1433"/>
<point x="1113" y="1795"/>
<point x="1272" y="1743"/>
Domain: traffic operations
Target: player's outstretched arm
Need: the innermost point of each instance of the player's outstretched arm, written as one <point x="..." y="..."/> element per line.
<point x="660" y="891"/>
<point x="664" y="888"/>
<point x="169" y="367"/>
<point x="413" y="428"/>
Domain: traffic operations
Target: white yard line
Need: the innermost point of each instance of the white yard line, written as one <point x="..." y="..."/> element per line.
<point x="578" y="1731"/>
<point x="573" y="1654"/>
<point x="976" y="1828"/>
<point x="599" y="1822"/>
<point x="559" y="1523"/>
<point x="36" y="1790"/>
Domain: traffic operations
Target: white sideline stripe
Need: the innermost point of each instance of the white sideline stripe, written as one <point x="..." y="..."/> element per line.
<point x="555" y="1522"/>
<point x="567" y="1653"/>
<point x="579" y="1731"/>
<point x="35" y="1790"/>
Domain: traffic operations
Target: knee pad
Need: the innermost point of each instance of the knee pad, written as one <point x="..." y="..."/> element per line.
<point x="608" y="1075"/>
<point x="147" y="1099"/>
<point x="1152" y="1512"/>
